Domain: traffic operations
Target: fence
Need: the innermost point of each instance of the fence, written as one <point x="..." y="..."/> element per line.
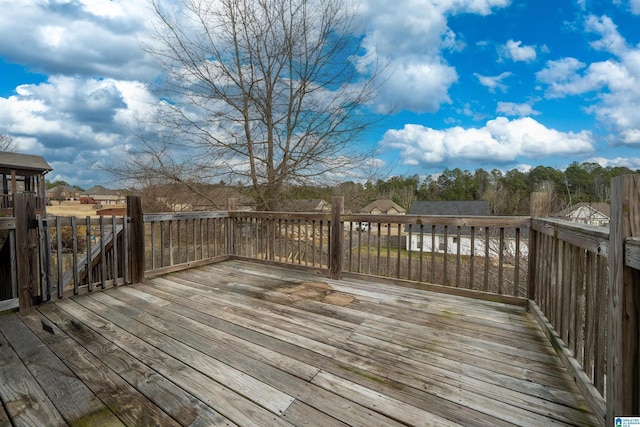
<point x="571" y="280"/>
<point x="47" y="258"/>
<point x="580" y="282"/>
<point x="183" y="240"/>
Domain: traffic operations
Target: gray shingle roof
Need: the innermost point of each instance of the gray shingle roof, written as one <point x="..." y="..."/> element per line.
<point x="23" y="162"/>
<point x="458" y="208"/>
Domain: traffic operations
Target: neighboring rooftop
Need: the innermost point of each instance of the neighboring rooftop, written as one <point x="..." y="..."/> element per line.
<point x="9" y="160"/>
<point x="383" y="206"/>
<point x="306" y="205"/>
<point x="603" y="208"/>
<point x="100" y="190"/>
<point x="459" y="208"/>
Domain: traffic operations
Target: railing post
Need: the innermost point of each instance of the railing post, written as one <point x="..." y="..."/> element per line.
<point x="337" y="237"/>
<point x="136" y="238"/>
<point x="540" y="208"/>
<point x="623" y="366"/>
<point x="231" y="244"/>
<point x="26" y="249"/>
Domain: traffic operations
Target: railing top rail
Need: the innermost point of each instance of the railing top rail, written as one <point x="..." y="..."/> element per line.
<point x="7" y="223"/>
<point x="632" y="252"/>
<point x="448" y="220"/>
<point x="318" y="216"/>
<point x="175" y="216"/>
<point x="590" y="237"/>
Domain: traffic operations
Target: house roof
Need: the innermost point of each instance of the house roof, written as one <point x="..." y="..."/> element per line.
<point x="215" y="197"/>
<point x="100" y="190"/>
<point x="601" y="207"/>
<point x="383" y="206"/>
<point x="67" y="188"/>
<point x="457" y="208"/>
<point x="20" y="161"/>
<point x="452" y="208"/>
<point x="305" y="205"/>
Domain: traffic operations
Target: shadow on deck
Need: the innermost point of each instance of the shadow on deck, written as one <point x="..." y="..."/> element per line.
<point x="238" y="343"/>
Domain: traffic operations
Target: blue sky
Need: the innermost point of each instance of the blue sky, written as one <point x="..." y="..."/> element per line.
<point x="476" y="83"/>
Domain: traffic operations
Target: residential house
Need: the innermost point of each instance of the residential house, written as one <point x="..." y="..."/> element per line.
<point x="22" y="173"/>
<point x="63" y="192"/>
<point x="175" y="198"/>
<point x="598" y="214"/>
<point x="100" y="195"/>
<point x="384" y="207"/>
<point x="306" y="205"/>
<point x="452" y="239"/>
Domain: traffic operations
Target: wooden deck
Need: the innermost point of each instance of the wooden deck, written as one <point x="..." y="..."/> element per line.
<point x="239" y="343"/>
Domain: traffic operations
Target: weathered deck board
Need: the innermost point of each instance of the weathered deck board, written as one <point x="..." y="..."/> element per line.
<point x="141" y="388"/>
<point x="25" y="402"/>
<point x="71" y="397"/>
<point x="238" y="343"/>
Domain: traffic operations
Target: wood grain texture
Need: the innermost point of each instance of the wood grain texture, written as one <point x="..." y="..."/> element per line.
<point x="623" y="334"/>
<point x="22" y="397"/>
<point x="71" y="397"/>
<point x="240" y="343"/>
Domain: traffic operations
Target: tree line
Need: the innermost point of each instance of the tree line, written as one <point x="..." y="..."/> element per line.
<point x="508" y="193"/>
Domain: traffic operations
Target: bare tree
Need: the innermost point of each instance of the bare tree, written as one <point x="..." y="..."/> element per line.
<point x="262" y="92"/>
<point x="6" y="143"/>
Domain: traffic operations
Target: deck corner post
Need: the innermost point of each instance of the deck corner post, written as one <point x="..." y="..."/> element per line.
<point x="26" y="250"/>
<point x="540" y="208"/>
<point x="136" y="238"/>
<point x="623" y="339"/>
<point x="337" y="236"/>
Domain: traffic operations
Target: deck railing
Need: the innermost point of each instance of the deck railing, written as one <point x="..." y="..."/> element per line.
<point x="582" y="283"/>
<point x="570" y="281"/>
<point x="486" y="254"/>
<point x="8" y="266"/>
<point x="73" y="256"/>
<point x="183" y="240"/>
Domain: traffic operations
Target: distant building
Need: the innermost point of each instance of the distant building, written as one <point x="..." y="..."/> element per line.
<point x="99" y="195"/>
<point x="63" y="192"/>
<point x="447" y="239"/>
<point x="386" y="207"/>
<point x="598" y="214"/>
<point x="22" y="173"/>
<point x="306" y="205"/>
<point x="175" y="198"/>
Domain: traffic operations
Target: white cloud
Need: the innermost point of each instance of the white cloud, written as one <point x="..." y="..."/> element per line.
<point x="411" y="39"/>
<point x="615" y="80"/>
<point x="635" y="7"/>
<point x="514" y="51"/>
<point x="500" y="141"/>
<point x="629" y="162"/>
<point x="610" y="40"/>
<point x="73" y="121"/>
<point x="97" y="37"/>
<point x="493" y="82"/>
<point x="517" y="110"/>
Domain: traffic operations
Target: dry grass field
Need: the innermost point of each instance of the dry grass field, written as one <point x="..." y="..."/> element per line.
<point x="73" y="208"/>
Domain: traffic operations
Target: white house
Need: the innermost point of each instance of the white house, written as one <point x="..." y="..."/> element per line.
<point x="598" y="214"/>
<point x="448" y="239"/>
